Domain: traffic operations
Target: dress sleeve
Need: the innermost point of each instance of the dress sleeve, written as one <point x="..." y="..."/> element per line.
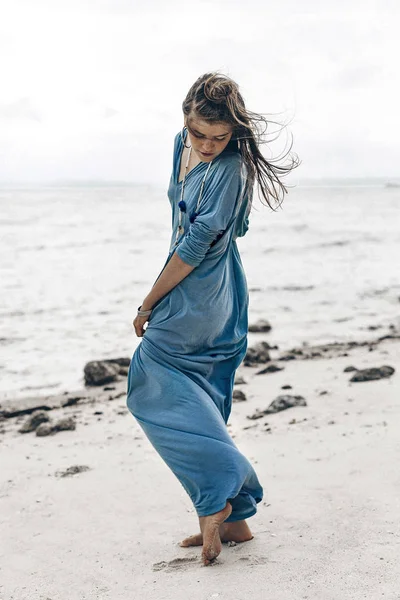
<point x="217" y="207"/>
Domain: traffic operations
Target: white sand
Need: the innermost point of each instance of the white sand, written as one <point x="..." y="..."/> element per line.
<point x="328" y="527"/>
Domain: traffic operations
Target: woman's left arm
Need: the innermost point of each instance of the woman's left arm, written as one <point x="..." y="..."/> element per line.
<point x="218" y="205"/>
<point x="174" y="272"/>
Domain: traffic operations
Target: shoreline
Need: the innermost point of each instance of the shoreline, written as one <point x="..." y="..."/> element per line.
<point x="14" y="407"/>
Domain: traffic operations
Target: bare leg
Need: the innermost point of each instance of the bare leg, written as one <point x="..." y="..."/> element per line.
<point x="209" y="526"/>
<point x="237" y="531"/>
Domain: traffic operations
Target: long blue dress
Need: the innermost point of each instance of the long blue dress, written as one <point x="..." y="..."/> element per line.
<point x="181" y="375"/>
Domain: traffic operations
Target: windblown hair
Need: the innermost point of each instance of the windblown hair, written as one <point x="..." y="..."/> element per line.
<point x="216" y="98"/>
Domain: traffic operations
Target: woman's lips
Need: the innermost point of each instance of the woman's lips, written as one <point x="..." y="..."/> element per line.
<point x="207" y="153"/>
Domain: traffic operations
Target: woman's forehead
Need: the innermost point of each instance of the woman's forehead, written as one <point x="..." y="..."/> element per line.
<point x="206" y="128"/>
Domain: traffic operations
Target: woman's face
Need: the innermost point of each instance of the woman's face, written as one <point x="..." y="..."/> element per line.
<point x="207" y="140"/>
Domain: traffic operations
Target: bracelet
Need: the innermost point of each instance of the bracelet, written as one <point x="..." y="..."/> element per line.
<point x="144" y="313"/>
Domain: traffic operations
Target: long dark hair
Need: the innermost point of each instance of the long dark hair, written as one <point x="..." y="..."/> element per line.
<point x="215" y="97"/>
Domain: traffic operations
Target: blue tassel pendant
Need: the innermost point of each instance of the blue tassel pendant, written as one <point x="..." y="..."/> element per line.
<point x="182" y="205"/>
<point x="193" y="216"/>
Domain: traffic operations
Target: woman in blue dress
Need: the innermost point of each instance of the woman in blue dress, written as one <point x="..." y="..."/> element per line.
<point x="181" y="375"/>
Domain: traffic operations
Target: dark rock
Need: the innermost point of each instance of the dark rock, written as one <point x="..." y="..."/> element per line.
<point x="270" y="369"/>
<point x="122" y="362"/>
<point x="34" y="420"/>
<point x="26" y="406"/>
<point x="261" y="326"/>
<point x="285" y="401"/>
<point x="349" y="368"/>
<point x="100" y="372"/>
<point x="259" y="414"/>
<point x="240" y="380"/>
<point x="72" y="470"/>
<point x="109" y="388"/>
<point x="258" y="354"/>
<point x="280" y="403"/>
<point x="286" y="387"/>
<point x="323" y="392"/>
<point x="238" y="396"/>
<point x="65" y="424"/>
<point x="123" y="393"/>
<point x="288" y="356"/>
<point x="71" y="400"/>
<point x="44" y="429"/>
<point x="390" y="336"/>
<point x="373" y="373"/>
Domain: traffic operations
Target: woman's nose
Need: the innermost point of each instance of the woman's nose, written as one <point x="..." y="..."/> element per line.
<point x="208" y="146"/>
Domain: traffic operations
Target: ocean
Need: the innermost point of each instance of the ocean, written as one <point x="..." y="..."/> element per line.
<point x="77" y="260"/>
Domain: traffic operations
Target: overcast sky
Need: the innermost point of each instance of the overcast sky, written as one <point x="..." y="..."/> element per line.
<point x="92" y="89"/>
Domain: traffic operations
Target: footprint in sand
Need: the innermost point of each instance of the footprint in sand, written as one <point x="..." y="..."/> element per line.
<point x="253" y="560"/>
<point x="176" y="564"/>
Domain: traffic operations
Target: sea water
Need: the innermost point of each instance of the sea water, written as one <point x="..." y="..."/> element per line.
<point x="76" y="262"/>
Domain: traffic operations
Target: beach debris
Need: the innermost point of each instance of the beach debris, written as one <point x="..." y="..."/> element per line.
<point x="323" y="392"/>
<point x="373" y="373"/>
<point x="260" y="326"/>
<point x="259" y="414"/>
<point x="292" y="354"/>
<point x="238" y="396"/>
<point x="64" y="424"/>
<point x="71" y="400"/>
<point x="281" y="402"/>
<point x="240" y="380"/>
<point x="257" y="354"/>
<point x="72" y="470"/>
<point x="295" y="421"/>
<point x="349" y="369"/>
<point x="270" y="369"/>
<point x="34" y="420"/>
<point x="334" y="349"/>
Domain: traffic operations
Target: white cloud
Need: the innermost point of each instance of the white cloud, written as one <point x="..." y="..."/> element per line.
<point x="94" y="88"/>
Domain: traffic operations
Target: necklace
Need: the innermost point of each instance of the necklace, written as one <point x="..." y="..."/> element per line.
<point x="182" y="203"/>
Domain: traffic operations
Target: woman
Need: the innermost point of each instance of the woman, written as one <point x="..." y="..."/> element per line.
<point x="181" y="375"/>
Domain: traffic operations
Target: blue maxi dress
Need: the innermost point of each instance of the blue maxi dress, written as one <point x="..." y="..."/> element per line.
<point x="181" y="375"/>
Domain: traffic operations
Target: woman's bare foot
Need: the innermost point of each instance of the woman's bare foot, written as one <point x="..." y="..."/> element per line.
<point x="237" y="531"/>
<point x="209" y="526"/>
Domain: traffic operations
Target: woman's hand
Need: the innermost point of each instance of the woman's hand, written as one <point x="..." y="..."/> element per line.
<point x="138" y="324"/>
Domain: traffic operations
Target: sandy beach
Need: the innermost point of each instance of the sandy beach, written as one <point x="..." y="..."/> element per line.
<point x="328" y="526"/>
